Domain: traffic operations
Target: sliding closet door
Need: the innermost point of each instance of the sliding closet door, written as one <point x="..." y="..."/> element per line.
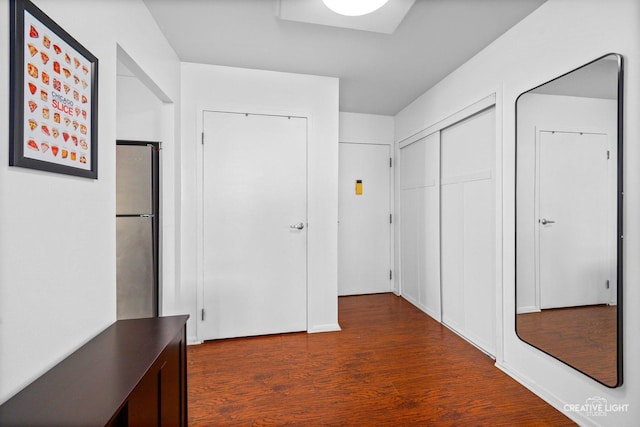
<point x="419" y="224"/>
<point x="468" y="228"/>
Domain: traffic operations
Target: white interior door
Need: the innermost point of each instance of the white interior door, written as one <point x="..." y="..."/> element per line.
<point x="364" y="230"/>
<point x="254" y="225"/>
<point x="574" y="228"/>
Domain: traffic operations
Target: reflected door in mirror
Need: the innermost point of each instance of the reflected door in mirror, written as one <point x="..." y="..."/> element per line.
<point x="574" y="231"/>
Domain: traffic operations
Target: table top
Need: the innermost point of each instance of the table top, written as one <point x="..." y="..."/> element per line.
<point x="92" y="384"/>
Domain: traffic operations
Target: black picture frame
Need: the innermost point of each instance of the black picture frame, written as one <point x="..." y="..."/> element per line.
<point x="53" y="96"/>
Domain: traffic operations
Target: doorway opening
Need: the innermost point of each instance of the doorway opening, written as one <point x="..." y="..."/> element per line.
<point x="137" y="228"/>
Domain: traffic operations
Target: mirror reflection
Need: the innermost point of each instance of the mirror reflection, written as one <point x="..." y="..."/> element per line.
<point x="568" y="221"/>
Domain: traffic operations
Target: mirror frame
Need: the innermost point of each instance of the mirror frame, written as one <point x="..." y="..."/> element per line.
<point x="619" y="236"/>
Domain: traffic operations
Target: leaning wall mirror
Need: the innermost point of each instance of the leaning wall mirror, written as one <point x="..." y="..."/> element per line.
<point x="569" y="219"/>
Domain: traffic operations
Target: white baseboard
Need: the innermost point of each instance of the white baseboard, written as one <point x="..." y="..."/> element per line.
<point x="528" y="309"/>
<point x="546" y="395"/>
<point x="435" y="316"/>
<point x="330" y="327"/>
<point x="414" y="302"/>
<point x="474" y="341"/>
<point x="193" y="341"/>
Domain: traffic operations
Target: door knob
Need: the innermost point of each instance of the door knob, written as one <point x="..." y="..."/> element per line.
<point x="545" y="221"/>
<point x="299" y="226"/>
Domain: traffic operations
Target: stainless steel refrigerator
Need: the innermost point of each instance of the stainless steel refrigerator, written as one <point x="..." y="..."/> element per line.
<point x="137" y="229"/>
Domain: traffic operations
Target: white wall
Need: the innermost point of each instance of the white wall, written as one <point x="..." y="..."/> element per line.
<point x="366" y="128"/>
<point x="57" y="232"/>
<point x="138" y="111"/>
<point x="559" y="36"/>
<point x="142" y="116"/>
<point x="235" y="89"/>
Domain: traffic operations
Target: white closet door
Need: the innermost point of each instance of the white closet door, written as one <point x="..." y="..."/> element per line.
<point x="364" y="231"/>
<point x="468" y="228"/>
<point x="255" y="225"/>
<point x="419" y="224"/>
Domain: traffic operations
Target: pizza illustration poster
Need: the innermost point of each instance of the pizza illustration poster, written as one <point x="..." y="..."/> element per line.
<point x="55" y="84"/>
<point x="58" y="90"/>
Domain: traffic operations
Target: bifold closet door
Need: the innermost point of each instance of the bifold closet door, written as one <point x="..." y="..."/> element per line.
<point x="419" y="224"/>
<point x="468" y="228"/>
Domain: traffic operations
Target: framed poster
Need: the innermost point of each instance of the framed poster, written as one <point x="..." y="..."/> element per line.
<point x="54" y="96"/>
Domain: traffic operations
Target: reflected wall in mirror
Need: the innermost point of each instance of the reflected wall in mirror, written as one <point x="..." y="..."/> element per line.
<point x="569" y="221"/>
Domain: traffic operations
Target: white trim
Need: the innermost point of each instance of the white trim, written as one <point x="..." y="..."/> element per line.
<point x="395" y="218"/>
<point x="545" y="395"/>
<point x="474" y="342"/>
<point x="414" y="302"/>
<point x="438" y="262"/>
<point x="476" y="176"/>
<point x="536" y="216"/>
<point x="499" y="223"/>
<point x="363" y="142"/>
<point x="528" y="309"/>
<point x="430" y="183"/>
<point x="329" y="327"/>
<point x="424" y="309"/>
<point x="396" y="262"/>
<point x="418" y="137"/>
<point x="466" y="112"/>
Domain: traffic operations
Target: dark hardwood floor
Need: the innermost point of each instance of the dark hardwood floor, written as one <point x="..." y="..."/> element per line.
<point x="390" y="365"/>
<point x="584" y="337"/>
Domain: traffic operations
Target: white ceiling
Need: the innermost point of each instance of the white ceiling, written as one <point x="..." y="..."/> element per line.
<point x="379" y="73"/>
<point x="384" y="20"/>
<point x="596" y="80"/>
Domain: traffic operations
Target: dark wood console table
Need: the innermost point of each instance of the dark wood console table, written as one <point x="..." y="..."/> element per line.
<point x="134" y="373"/>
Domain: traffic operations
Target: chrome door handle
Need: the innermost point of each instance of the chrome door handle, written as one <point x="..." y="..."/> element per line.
<point x="545" y="221"/>
<point x="299" y="226"/>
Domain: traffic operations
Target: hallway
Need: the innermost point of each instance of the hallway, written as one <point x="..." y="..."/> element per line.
<point x="390" y="365"/>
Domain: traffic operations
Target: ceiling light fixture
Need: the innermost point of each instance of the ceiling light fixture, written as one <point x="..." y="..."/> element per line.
<point x="354" y="7"/>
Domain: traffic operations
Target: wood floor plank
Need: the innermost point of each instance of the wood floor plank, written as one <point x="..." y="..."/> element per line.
<point x="584" y="337"/>
<point x="390" y="365"/>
